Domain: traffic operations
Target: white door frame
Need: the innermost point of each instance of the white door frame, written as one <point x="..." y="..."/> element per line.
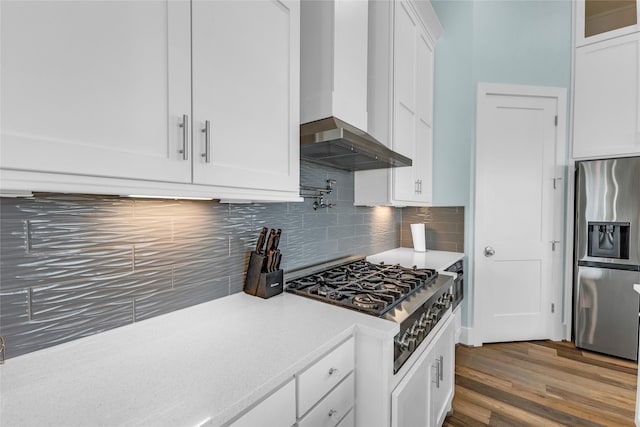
<point x="559" y="272"/>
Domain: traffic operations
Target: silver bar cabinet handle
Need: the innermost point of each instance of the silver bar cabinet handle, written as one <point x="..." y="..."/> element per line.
<point x="441" y="373"/>
<point x="185" y="137"/>
<point x="207" y="141"/>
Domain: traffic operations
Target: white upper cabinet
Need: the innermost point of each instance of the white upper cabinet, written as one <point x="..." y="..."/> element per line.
<point x="96" y="88"/>
<point x="401" y="64"/>
<point x="598" y="20"/>
<point x="607" y="96"/>
<point x="112" y="97"/>
<point x="413" y="109"/>
<point x="246" y="86"/>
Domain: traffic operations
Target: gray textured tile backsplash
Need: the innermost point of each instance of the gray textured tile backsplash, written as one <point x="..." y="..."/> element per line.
<point x="74" y="265"/>
<point x="444" y="227"/>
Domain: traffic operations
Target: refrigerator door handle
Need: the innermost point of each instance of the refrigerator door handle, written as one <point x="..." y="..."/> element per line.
<point x="609" y="265"/>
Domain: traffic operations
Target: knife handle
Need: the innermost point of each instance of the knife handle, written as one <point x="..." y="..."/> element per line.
<point x="261" y="237"/>
<point x="272" y="237"/>
<point x="276" y="241"/>
<point x="269" y="263"/>
<point x="277" y="261"/>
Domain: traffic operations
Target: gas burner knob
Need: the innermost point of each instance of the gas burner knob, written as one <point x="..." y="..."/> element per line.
<point x="446" y="299"/>
<point x="426" y="324"/>
<point x="406" y="343"/>
<point x="418" y="332"/>
<point x="411" y="344"/>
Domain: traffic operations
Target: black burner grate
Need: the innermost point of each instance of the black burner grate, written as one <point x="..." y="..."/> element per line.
<point x="363" y="286"/>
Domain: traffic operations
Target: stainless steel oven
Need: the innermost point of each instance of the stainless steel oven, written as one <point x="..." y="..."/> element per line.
<point x="458" y="282"/>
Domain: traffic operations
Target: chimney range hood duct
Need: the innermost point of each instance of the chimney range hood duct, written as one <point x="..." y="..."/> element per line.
<point x="334" y="43"/>
<point x="332" y="142"/>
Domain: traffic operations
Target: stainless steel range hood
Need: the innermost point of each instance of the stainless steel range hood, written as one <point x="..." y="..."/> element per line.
<point x="332" y="142"/>
<point x="334" y="46"/>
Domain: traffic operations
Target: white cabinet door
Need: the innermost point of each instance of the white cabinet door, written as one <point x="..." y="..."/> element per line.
<point x="95" y="88"/>
<point x="405" y="186"/>
<point x="277" y="410"/>
<point x="407" y="112"/>
<point x="423" y="163"/>
<point x="413" y="107"/>
<point x="423" y="397"/>
<point x="607" y="93"/>
<point x="246" y="86"/>
<point x="442" y="360"/>
<point x="410" y="399"/>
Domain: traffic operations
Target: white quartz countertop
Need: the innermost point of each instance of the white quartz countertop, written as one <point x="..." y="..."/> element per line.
<point x="200" y="365"/>
<point x="407" y="257"/>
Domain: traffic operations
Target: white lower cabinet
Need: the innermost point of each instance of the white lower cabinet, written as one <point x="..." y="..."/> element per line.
<point x="330" y="410"/>
<point x="326" y="390"/>
<point x="324" y="375"/>
<point x="349" y="420"/>
<point x="277" y="410"/>
<point x="423" y="397"/>
<point x="442" y="374"/>
<point x="322" y="395"/>
<point x="409" y="399"/>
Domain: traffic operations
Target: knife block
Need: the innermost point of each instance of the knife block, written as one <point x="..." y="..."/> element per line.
<point x="262" y="283"/>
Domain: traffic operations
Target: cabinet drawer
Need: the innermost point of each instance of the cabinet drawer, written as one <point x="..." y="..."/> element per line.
<point x="332" y="408"/>
<point x="277" y="410"/>
<point x="349" y="420"/>
<point x="316" y="381"/>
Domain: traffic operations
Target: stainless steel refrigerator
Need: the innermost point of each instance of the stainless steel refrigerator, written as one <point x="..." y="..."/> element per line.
<point x="607" y="256"/>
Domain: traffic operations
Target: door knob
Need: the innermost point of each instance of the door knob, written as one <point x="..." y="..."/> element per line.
<point x="489" y="251"/>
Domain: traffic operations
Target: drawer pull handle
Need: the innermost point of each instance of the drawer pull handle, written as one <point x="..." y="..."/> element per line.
<point x="333" y="371"/>
<point x="332" y="413"/>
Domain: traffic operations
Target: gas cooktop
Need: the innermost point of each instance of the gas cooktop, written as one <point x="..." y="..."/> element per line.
<point x="414" y="298"/>
<point x="363" y="286"/>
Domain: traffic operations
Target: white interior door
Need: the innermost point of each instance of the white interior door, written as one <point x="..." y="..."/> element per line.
<point x="518" y="212"/>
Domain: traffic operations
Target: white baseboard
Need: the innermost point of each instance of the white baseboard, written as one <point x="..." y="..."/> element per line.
<point x="469" y="338"/>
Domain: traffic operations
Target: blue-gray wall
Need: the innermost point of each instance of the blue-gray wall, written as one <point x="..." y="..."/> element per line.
<point x="508" y="41"/>
<point x="75" y="265"/>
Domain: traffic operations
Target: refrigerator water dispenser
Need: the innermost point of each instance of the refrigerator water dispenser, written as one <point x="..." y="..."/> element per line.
<point x="608" y="240"/>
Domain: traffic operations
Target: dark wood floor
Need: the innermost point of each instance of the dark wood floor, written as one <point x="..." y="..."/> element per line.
<point x="541" y="383"/>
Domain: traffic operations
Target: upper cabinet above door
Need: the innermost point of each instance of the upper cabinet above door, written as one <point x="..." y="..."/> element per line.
<point x="113" y="97"/>
<point x="598" y="20"/>
<point x="606" y="107"/>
